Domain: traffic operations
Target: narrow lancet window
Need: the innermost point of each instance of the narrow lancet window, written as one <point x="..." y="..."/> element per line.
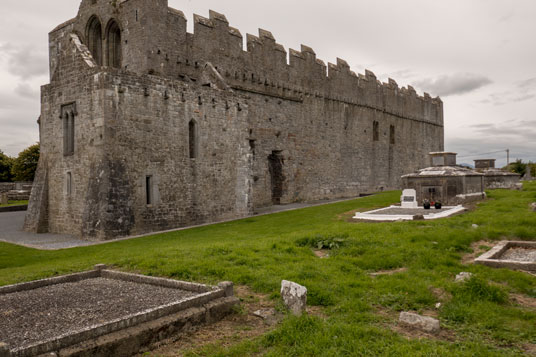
<point x="375" y="131"/>
<point x="68" y="113"/>
<point x="94" y="39"/>
<point x="113" y="38"/>
<point x="149" y="190"/>
<point x="192" y="139"/>
<point x="392" y="139"/>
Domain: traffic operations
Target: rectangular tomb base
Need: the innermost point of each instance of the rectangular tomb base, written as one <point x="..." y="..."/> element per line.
<point x="104" y="312"/>
<point x="511" y="254"/>
<point x="398" y="213"/>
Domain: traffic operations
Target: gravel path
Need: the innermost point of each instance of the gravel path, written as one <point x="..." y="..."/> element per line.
<point x="11" y="232"/>
<point x="28" y="317"/>
<point x="520" y="255"/>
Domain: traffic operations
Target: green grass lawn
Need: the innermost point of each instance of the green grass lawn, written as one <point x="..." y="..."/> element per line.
<point x="15" y="203"/>
<point x="479" y="316"/>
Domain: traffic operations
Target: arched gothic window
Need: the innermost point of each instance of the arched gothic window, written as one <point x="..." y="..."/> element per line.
<point x="113" y="40"/>
<point x="94" y="39"/>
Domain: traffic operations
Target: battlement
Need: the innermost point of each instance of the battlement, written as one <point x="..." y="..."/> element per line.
<point x="263" y="64"/>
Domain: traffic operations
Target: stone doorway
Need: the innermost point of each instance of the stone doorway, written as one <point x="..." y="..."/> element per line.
<point x="275" y="165"/>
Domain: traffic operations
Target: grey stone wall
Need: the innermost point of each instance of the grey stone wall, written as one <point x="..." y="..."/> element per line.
<point x="251" y="109"/>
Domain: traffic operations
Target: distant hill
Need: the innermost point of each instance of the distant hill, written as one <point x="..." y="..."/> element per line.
<point x="467" y="165"/>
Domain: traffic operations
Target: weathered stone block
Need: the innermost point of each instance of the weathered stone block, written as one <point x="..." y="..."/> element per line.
<point x="424" y="323"/>
<point x="227" y="287"/>
<point x="294" y="296"/>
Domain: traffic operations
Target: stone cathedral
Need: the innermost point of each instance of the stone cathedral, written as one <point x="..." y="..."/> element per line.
<point x="146" y="127"/>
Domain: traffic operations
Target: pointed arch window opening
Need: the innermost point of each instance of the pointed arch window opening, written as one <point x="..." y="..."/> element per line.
<point x="375" y="131"/>
<point x="68" y="113"/>
<point x="94" y="39"/>
<point x="113" y="41"/>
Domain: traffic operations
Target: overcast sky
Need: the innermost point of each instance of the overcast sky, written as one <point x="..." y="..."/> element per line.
<point x="478" y="55"/>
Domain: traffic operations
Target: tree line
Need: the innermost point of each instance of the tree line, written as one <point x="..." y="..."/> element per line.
<point x="20" y="168"/>
<point x="521" y="167"/>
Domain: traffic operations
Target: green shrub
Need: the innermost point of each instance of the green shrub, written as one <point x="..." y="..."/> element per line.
<point x="323" y="241"/>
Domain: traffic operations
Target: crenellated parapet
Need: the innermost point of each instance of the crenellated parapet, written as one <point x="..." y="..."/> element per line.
<point x="156" y="42"/>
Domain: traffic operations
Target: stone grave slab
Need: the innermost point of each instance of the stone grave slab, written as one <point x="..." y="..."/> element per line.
<point x="103" y="312"/>
<point x="398" y="213"/>
<point x="516" y="255"/>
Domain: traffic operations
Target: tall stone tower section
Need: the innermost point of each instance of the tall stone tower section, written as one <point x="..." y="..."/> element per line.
<point x="146" y="127"/>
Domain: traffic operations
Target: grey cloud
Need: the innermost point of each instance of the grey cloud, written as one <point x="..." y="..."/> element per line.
<point x="520" y="130"/>
<point x="398" y="75"/>
<point x="27" y="91"/>
<point x="24" y="62"/>
<point x="524" y="90"/>
<point x="454" y="84"/>
<point x="527" y="83"/>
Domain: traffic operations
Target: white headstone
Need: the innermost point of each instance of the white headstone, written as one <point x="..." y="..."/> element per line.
<point x="409" y="199"/>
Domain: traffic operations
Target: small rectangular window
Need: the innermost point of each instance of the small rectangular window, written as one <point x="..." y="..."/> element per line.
<point x="392" y="139"/>
<point x="149" y="189"/>
<point x="69" y="184"/>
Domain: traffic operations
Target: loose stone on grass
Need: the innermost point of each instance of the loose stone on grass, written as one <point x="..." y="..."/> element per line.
<point x="424" y="323"/>
<point x="463" y="276"/>
<point x="533" y="206"/>
<point x="294" y="296"/>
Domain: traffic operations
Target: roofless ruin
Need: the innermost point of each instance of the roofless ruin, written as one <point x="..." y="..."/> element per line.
<point x="146" y="127"/>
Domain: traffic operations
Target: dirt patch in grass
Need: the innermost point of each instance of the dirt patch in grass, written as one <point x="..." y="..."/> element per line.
<point x="414" y="334"/>
<point x="236" y="327"/>
<point x="388" y="272"/>
<point x="523" y="300"/>
<point x="440" y="294"/>
<point x="478" y="248"/>
<point x="240" y="326"/>
<point x="321" y="253"/>
<point x="530" y="349"/>
<point x="390" y="321"/>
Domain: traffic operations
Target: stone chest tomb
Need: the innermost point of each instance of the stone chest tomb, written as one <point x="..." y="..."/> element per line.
<point x="146" y="127"/>
<point x="445" y="181"/>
